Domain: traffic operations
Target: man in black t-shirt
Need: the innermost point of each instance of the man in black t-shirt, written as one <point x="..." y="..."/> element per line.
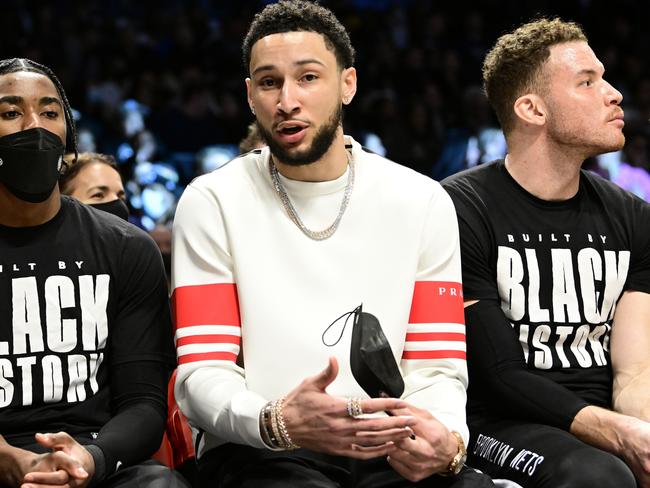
<point x="556" y="276"/>
<point x="85" y="332"/>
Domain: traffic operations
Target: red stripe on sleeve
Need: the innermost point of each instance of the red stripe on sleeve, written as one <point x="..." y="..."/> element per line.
<point x="437" y="302"/>
<point x="208" y="339"/>
<point x="215" y="304"/>
<point x="434" y="355"/>
<point x="207" y="356"/>
<point x="435" y="336"/>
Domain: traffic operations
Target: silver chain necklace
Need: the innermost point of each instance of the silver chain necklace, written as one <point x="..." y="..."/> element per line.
<point x="319" y="235"/>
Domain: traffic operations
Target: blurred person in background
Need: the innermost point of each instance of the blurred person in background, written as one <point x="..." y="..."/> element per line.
<point x="94" y="179"/>
<point x="253" y="139"/>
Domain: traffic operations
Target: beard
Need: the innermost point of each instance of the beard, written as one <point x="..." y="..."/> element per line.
<point x="584" y="143"/>
<point x="579" y="136"/>
<point x="319" y="146"/>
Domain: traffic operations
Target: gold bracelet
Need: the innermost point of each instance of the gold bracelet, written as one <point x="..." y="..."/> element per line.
<point x="288" y="443"/>
<point x="274" y="425"/>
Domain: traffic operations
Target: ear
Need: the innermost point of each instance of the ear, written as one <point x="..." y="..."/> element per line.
<point x="348" y="85"/>
<point x="530" y="109"/>
<point x="248" y="95"/>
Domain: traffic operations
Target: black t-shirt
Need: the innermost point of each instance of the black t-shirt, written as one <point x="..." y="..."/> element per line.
<point x="557" y="269"/>
<point x="83" y="304"/>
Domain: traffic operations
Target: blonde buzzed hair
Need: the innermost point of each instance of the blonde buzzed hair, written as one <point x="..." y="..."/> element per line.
<point x="513" y="66"/>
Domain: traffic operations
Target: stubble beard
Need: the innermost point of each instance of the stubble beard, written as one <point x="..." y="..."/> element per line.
<point x="321" y="143"/>
<point x="586" y="143"/>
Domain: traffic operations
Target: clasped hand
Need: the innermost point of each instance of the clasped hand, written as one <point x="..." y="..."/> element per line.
<point x="68" y="465"/>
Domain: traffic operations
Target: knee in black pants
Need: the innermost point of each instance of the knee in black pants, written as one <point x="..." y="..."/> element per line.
<point x="593" y="468"/>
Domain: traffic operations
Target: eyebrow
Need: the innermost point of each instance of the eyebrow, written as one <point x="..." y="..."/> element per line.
<point x="302" y="62"/>
<point x="104" y="188"/>
<point x="98" y="187"/>
<point x="588" y="71"/>
<point x="17" y="100"/>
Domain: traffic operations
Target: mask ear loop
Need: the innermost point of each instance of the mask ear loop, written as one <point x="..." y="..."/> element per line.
<point x="356" y="312"/>
<point x="62" y="166"/>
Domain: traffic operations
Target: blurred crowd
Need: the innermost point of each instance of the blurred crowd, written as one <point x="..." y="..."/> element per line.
<point x="160" y="85"/>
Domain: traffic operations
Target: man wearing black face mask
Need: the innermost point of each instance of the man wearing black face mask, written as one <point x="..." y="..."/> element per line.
<point x="85" y="333"/>
<point x="31" y="161"/>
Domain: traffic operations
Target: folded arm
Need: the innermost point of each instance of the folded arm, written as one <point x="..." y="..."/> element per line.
<point x="630" y="354"/>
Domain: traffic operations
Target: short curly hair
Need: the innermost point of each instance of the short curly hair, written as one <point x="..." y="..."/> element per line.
<point x="513" y="66"/>
<point x="296" y="16"/>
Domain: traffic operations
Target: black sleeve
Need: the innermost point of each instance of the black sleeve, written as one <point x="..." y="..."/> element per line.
<point x="141" y="357"/>
<point x="496" y="366"/>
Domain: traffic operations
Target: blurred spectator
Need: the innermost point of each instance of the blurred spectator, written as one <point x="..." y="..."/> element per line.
<point x="95" y="180"/>
<point x="253" y="139"/>
<point x="477" y="139"/>
<point x="193" y="122"/>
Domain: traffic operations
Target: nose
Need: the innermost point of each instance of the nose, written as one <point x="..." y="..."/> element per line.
<point x="614" y="97"/>
<point x="31" y="120"/>
<point x="288" y="101"/>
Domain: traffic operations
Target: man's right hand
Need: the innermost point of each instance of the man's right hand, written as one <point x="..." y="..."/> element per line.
<point x="636" y="450"/>
<point x="318" y="421"/>
<point x="623" y="435"/>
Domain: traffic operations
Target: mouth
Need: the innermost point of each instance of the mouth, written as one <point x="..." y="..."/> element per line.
<point x="618" y="120"/>
<point x="291" y="131"/>
<point x="618" y="117"/>
<point x="290" y="126"/>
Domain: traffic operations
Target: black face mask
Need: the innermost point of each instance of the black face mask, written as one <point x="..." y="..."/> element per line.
<point x="30" y="161"/>
<point x="115" y="207"/>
